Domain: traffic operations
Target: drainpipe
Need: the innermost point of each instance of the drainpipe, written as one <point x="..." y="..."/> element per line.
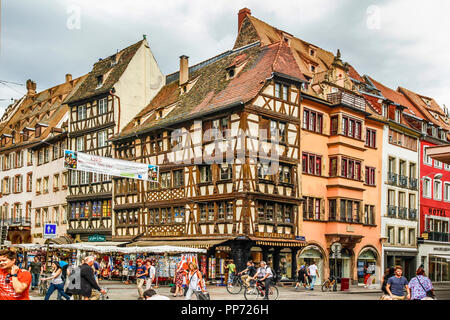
<point x="111" y="92"/>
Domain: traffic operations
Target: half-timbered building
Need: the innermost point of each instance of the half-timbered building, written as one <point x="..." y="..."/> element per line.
<point x="226" y="135"/>
<point x="108" y="99"/>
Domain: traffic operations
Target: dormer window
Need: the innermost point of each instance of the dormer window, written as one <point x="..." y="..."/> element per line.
<point x="37" y="132"/>
<point x="313" y="68"/>
<point x="424" y="127"/>
<point x="113" y="60"/>
<point x="312" y="52"/>
<point x="99" y="81"/>
<point x="385" y="110"/>
<point x="443" y="135"/>
<point x="397" y="115"/>
<point x="231" y="73"/>
<point x="281" y="91"/>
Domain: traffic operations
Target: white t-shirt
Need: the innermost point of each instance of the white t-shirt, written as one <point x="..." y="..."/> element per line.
<point x="312" y="270"/>
<point x="151" y="272"/>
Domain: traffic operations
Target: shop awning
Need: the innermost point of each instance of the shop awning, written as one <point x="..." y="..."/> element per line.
<point x="102" y="244"/>
<point x="28" y="246"/>
<point x="278" y="242"/>
<point x="205" y="244"/>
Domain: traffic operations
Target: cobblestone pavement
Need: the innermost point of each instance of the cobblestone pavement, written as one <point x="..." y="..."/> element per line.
<point x="120" y="291"/>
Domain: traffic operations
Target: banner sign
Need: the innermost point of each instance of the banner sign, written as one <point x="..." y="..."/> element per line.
<point x="114" y="167"/>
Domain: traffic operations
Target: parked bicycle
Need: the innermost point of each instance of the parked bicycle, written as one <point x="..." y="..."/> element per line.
<point x="257" y="291"/>
<point x="329" y="284"/>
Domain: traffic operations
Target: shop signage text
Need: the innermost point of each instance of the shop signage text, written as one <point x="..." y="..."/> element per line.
<point x="274" y="235"/>
<point x="441" y="249"/>
<point x="96" y="238"/>
<point x="436" y="212"/>
<point x="165" y="233"/>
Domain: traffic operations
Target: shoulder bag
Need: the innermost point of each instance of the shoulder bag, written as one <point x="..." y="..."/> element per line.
<point x="429" y="293"/>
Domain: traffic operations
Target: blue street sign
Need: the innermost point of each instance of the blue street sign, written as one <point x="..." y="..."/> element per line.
<point x="49" y="230"/>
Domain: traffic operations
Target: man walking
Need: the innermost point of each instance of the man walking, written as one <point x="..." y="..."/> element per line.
<point x="14" y="282"/>
<point x="264" y="274"/>
<point x="151" y="274"/>
<point x="141" y="275"/>
<point x="231" y="271"/>
<point x="35" y="270"/>
<point x="397" y="284"/>
<point x="312" y="272"/>
<point x="86" y="280"/>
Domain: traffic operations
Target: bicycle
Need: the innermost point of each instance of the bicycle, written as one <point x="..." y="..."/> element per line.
<point x="328" y="284"/>
<point x="236" y="285"/>
<point x="257" y="291"/>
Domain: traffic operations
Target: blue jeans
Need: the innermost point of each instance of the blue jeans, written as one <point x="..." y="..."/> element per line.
<point x="230" y="277"/>
<point x="53" y="287"/>
<point x="313" y="281"/>
<point x="35" y="280"/>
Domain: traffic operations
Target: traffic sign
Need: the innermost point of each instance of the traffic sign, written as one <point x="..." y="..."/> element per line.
<point x="49" y="231"/>
<point x="336" y="247"/>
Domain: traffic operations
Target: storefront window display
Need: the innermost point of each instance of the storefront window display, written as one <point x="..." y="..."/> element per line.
<point x="366" y="265"/>
<point x="438" y="268"/>
<point x="343" y="265"/>
<point x="309" y="255"/>
<point x="285" y="266"/>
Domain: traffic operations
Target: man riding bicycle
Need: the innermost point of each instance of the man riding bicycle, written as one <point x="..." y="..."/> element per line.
<point x="264" y="275"/>
<point x="248" y="273"/>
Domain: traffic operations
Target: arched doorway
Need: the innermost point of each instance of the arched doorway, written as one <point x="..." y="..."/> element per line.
<point x="367" y="265"/>
<point x="342" y="266"/>
<point x="310" y="254"/>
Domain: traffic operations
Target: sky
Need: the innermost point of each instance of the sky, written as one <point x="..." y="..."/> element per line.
<point x="397" y="42"/>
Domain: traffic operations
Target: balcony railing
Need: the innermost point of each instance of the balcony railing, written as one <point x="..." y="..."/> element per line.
<point x="392" y="211"/>
<point x="12" y="222"/>
<point x="403" y="181"/>
<point x="412" y="214"/>
<point x="347" y="99"/>
<point x="392" y="178"/>
<point x="413" y="183"/>
<point x="402" y="213"/>
<point x="438" y="236"/>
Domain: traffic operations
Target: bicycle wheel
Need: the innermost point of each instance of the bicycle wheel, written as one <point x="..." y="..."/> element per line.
<point x="326" y="286"/>
<point x="252" y="293"/>
<point x="235" y="287"/>
<point x="273" y="293"/>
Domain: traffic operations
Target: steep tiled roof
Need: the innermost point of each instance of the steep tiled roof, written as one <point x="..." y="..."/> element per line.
<point x="212" y="90"/>
<point x="354" y="74"/>
<point x="392" y="95"/>
<point x="111" y="73"/>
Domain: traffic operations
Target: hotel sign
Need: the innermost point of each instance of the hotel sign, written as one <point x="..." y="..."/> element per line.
<point x="274" y="235"/>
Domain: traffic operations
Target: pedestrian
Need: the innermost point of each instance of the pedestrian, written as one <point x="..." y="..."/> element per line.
<point x="151" y="294"/>
<point x="231" y="271"/>
<point x="14" y="282"/>
<point x="180" y="277"/>
<point x="151" y="274"/>
<point x="312" y="272"/>
<point x="56" y="282"/>
<point x="389" y="272"/>
<point x="141" y="275"/>
<point x="302" y="274"/>
<point x="397" y="284"/>
<point x="87" y="279"/>
<point x="421" y="286"/>
<point x="194" y="282"/>
<point x="264" y="275"/>
<point x="35" y="269"/>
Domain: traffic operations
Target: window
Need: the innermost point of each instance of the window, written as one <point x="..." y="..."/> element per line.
<point x="370" y="176"/>
<point x="312" y="164"/>
<point x="351" y="127"/>
<point x="334" y="125"/>
<point x="215" y="129"/>
<point x="65" y="179"/>
<point x="312" y="120"/>
<point x="412" y="201"/>
<point x="81" y="110"/>
<point x="284" y="172"/>
<point x="226" y="171"/>
<point x="38" y="217"/>
<point x="312" y="209"/>
<point x="45" y="185"/>
<point x="102" y="106"/>
<point x="18" y="184"/>
<point x="369" y="214"/>
<point x="390" y="235"/>
<point x="333" y="167"/>
<point x="412" y="170"/>
<point x="385" y="110"/>
<point x="19" y="159"/>
<point x="99" y="81"/>
<point x="278" y="131"/>
<point x="205" y="174"/>
<point x="351" y="169"/>
<point x="55" y="182"/>
<point x="447" y="191"/>
<point x="102" y="139"/>
<point x="29" y="181"/>
<point x="426" y="159"/>
<point x="426" y="187"/>
<point x="80" y="144"/>
<point x="332" y="216"/>
<point x="264" y="171"/>
<point x="402" y="200"/>
<point x="397" y="115"/>
<point x="166" y="179"/>
<point x="38" y="186"/>
<point x="391" y="198"/>
<point x="46" y="154"/>
<point x="29" y="157"/>
<point x="178" y="178"/>
<point x="84" y="177"/>
<point x="266" y="211"/>
<point x="412" y="237"/>
<point x="437" y="190"/>
<point x="281" y="91"/>
<point x="437" y="164"/>
<point x="401" y="235"/>
<point x="349" y="210"/>
<point x="371" y="137"/>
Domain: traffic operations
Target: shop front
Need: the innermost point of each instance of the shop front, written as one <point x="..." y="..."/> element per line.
<point x="341" y="267"/>
<point x="404" y="257"/>
<point x="435" y="257"/>
<point x="367" y="267"/>
<point x="312" y="254"/>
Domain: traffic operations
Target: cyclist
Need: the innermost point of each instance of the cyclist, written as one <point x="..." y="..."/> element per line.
<point x="264" y="276"/>
<point x="248" y="273"/>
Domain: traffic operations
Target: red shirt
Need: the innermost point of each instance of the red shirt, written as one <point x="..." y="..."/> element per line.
<point x="7" y="290"/>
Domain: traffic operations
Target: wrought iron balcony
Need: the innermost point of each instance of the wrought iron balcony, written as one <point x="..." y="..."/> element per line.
<point x="392" y="211"/>
<point x="413" y="183"/>
<point x="438" y="236"/>
<point x="348" y="99"/>
<point x="392" y="178"/>
<point x="20" y="221"/>
<point x="403" y="181"/>
<point x="402" y="213"/>
<point x="412" y="214"/>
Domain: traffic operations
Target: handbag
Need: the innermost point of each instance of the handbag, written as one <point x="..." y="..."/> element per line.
<point x="203" y="295"/>
<point x="429" y="293"/>
<point x="173" y="289"/>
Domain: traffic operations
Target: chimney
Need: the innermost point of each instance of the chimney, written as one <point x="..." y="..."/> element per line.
<point x="68" y="77"/>
<point x="31" y="87"/>
<point x="241" y="16"/>
<point x="184" y="70"/>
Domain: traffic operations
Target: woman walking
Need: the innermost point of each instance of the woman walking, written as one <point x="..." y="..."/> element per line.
<point x="180" y="276"/>
<point x="421" y="286"/>
<point x="194" y="282"/>
<point x="57" y="282"/>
